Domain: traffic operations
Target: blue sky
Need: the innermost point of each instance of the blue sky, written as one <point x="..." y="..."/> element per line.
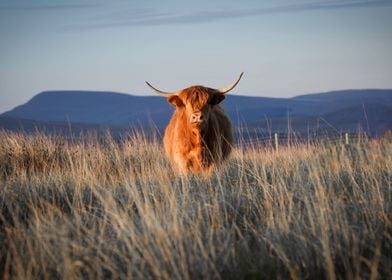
<point x="285" y="48"/>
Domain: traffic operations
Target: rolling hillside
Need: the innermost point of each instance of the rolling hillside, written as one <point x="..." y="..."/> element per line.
<point x="336" y="111"/>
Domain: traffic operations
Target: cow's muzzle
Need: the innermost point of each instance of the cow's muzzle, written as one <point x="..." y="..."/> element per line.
<point x="197" y="118"/>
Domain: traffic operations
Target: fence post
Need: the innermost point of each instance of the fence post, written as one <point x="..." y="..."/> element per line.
<point x="346" y="137"/>
<point x="276" y="142"/>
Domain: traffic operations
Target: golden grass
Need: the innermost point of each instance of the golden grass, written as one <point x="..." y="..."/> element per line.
<point x="97" y="208"/>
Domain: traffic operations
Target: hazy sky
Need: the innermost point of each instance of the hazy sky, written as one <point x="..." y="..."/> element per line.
<point x="285" y="48"/>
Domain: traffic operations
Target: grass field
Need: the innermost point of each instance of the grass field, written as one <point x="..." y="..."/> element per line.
<point x="94" y="208"/>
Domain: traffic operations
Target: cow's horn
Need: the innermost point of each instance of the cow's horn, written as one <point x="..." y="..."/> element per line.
<point x="162" y="93"/>
<point x="229" y="88"/>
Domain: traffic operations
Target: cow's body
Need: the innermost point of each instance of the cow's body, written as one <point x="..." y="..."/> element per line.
<point x="198" y="149"/>
<point x="198" y="137"/>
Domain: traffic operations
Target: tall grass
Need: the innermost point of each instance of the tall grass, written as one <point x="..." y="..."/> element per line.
<point x="97" y="208"/>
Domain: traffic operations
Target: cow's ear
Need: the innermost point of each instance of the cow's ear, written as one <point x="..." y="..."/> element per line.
<point x="175" y="101"/>
<point x="216" y="99"/>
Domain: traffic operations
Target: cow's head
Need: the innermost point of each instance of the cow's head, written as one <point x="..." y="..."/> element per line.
<point x="196" y="101"/>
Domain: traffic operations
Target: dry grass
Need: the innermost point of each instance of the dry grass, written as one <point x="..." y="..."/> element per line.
<point x="97" y="208"/>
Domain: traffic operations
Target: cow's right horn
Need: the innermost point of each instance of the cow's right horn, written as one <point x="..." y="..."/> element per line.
<point x="162" y="93"/>
<point x="230" y="87"/>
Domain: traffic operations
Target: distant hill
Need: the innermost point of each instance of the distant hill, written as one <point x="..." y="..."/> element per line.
<point x="103" y="108"/>
<point x="337" y="111"/>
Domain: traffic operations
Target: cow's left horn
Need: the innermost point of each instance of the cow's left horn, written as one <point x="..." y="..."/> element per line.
<point x="162" y="93"/>
<point x="229" y="88"/>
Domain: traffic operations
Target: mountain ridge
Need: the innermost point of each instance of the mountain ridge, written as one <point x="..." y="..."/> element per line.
<point x="121" y="110"/>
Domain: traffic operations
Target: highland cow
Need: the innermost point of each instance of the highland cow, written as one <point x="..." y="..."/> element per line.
<point x="198" y="137"/>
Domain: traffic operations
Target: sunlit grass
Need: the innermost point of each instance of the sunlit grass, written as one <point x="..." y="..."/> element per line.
<point x="96" y="207"/>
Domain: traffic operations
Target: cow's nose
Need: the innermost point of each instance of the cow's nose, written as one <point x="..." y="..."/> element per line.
<point x="196" y="117"/>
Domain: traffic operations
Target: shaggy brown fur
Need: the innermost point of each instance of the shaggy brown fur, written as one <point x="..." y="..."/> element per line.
<point x="198" y="147"/>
